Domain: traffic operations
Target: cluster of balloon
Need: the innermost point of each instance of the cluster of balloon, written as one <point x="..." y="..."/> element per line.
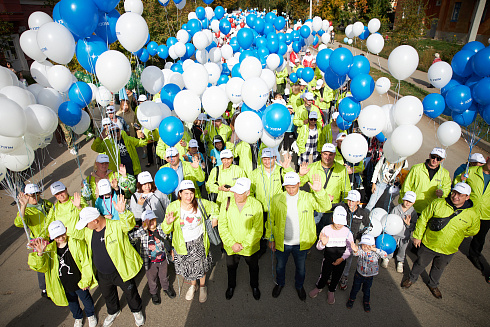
<point x="374" y="40"/>
<point x="383" y="227"/>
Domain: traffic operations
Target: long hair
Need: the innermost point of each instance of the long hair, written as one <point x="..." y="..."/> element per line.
<point x="194" y="200"/>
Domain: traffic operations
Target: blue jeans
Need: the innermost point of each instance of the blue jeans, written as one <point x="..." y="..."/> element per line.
<point x="299" y="257"/>
<point x="366" y="283"/>
<point x="86" y="298"/>
<point x="380" y="189"/>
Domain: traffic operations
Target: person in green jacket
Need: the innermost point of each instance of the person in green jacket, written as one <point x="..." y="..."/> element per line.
<point x="281" y="78"/>
<point x="310" y="140"/>
<point x="114" y="258"/>
<point x="240" y="225"/>
<point x="120" y="148"/>
<point x="213" y="128"/>
<point x="429" y="180"/>
<point x="33" y="214"/>
<point x="185" y="218"/>
<point x="223" y="177"/>
<point x="439" y="241"/>
<point x="301" y="113"/>
<point x="68" y="271"/>
<point x="295" y="97"/>
<point x="292" y="230"/>
<point x="181" y="146"/>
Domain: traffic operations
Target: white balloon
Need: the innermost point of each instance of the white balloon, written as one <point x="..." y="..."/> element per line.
<point x="200" y="40"/>
<point x="38" y="19"/>
<point x="103" y="96"/>
<point x="248" y="127"/>
<point x="50" y="98"/>
<point x="439" y="74"/>
<point x="131" y="31"/>
<point x="377" y="214"/>
<point x="202" y="56"/>
<point x="171" y="52"/>
<point x="83" y="125"/>
<point x="382" y="85"/>
<point x="209" y="35"/>
<point x="10" y="144"/>
<point x="234" y="89"/>
<point x="317" y="23"/>
<point x="35" y="142"/>
<point x="371" y="120"/>
<point x="215" y="55"/>
<point x="177" y="79"/>
<point x="187" y="63"/>
<point x="348" y="31"/>
<point x="375" y="43"/>
<point x="255" y="93"/>
<point x="20" y="159"/>
<point x="113" y="70"/>
<point x="390" y="154"/>
<point x="28" y="43"/>
<point x="270" y="141"/>
<point x="349" y="41"/>
<point x="408" y="110"/>
<point x="209" y="12"/>
<point x="34" y="89"/>
<point x="3" y="171"/>
<point x="357" y="28"/>
<point x="5" y="77"/>
<point x="179" y="49"/>
<point x="273" y="61"/>
<point x="269" y="78"/>
<point x="18" y="95"/>
<point x="168" y="65"/>
<point x="47" y="140"/>
<point x="406" y="140"/>
<point x="60" y="78"/>
<point x="390" y="124"/>
<point x="196" y="78"/>
<point x="39" y="71"/>
<point x="187" y="105"/>
<point x="150" y="114"/>
<point x="166" y="75"/>
<point x="133" y="6"/>
<point x="376" y="229"/>
<point x="325" y="25"/>
<point x="56" y="42"/>
<point x="15" y="80"/>
<point x="448" y="133"/>
<point x="152" y="79"/>
<point x="354" y="148"/>
<point x="392" y="224"/>
<point x="180" y="5"/>
<point x="326" y="38"/>
<point x="227" y="51"/>
<point x="213" y="72"/>
<point x="94" y="90"/>
<point x="41" y="120"/>
<point x="374" y="25"/>
<point x="215" y="26"/>
<point x="214" y="101"/>
<point x="403" y="61"/>
<point x="191" y="15"/>
<point x="183" y="36"/>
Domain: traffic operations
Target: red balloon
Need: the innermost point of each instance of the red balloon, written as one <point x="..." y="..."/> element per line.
<point x="230" y="20"/>
<point x="233" y="25"/>
<point x="242" y="24"/>
<point x="331" y="23"/>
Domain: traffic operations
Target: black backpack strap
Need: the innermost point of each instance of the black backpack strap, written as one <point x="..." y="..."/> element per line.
<point x="282" y="178"/>
<point x="328" y="177"/>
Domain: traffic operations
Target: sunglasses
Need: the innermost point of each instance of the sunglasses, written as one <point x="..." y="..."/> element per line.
<point x="433" y="156"/>
<point x="313" y="119"/>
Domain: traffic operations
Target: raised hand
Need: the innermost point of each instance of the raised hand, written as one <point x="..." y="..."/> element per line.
<point x="353" y="246"/>
<point x="323" y="238"/>
<point x="303" y="169"/>
<point x="195" y="162"/>
<point x="77" y="200"/>
<point x="141" y="200"/>
<point x="121" y="204"/>
<point x="317" y="185"/>
<point x="183" y="143"/>
<point x="169" y="217"/>
<point x="140" y="134"/>
<point x="23" y="199"/>
<point x="39" y="245"/>
<point x="114" y="183"/>
<point x="122" y="170"/>
<point x="287" y="161"/>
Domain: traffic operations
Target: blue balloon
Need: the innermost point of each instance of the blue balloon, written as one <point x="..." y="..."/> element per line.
<point x="177" y="68"/>
<point x="447" y="111"/>
<point x="333" y="80"/>
<point x="289" y="38"/>
<point x="342" y="124"/>
<point x="152" y="48"/>
<point x="458" y="99"/>
<point x="341" y="61"/>
<point x="296" y="35"/>
<point x="190" y="49"/>
<point x="235" y="71"/>
<point x="481" y="91"/>
<point x="323" y="59"/>
<point x="70" y="113"/>
<point x="481" y="62"/>
<point x="165" y="3"/>
<point x="466" y="117"/>
<point x="305" y="31"/>
<point x="80" y="93"/>
<point x="470" y="82"/>
<point x="57" y="17"/>
<point x="223" y="79"/>
<point x="268" y="29"/>
<point x="261" y="42"/>
<point x="299" y="72"/>
<point x="270" y="17"/>
<point x="88" y="51"/>
<point x="273" y="45"/>
<point x="293" y="78"/>
<point x="200" y="13"/>
<point x="296" y="46"/>
<point x="245" y="38"/>
<point x="276" y="119"/>
<point x="106" y="27"/>
<point x="281" y="37"/>
<point x="168" y="93"/>
<point x="80" y="16"/>
<point x="225" y="70"/>
<point x="360" y="65"/>
<point x="346" y="39"/>
<point x="234" y="44"/>
<point x="485" y="113"/>
<point x="106" y="5"/>
<point x="452" y="83"/>
<point x="261" y="52"/>
<point x="166" y="180"/>
<point x="205" y="23"/>
<point x="249" y="53"/>
<point x="308" y="74"/>
<point x="381" y="137"/>
<point x="321" y="32"/>
<point x="250" y="20"/>
<point x="434" y="105"/>
<point x="473" y="46"/>
<point x="219" y="12"/>
<point x="171" y="130"/>
<point x="259" y="25"/>
<point x="386" y="242"/>
<point x="194" y="26"/>
<point x="362" y="86"/>
<point x="279" y="23"/>
<point x="461" y="63"/>
<point x="349" y="109"/>
<point x="171" y="41"/>
<point x="144" y="56"/>
<point x="365" y="33"/>
<point x="208" y="2"/>
<point x="315" y="41"/>
<point x="283" y="48"/>
<point x="162" y="51"/>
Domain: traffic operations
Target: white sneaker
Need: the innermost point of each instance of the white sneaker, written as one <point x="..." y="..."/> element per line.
<point x="139" y="319"/>
<point x="73" y="151"/>
<point x="385" y="262"/>
<point x="92" y="321"/>
<point x="78" y="323"/>
<point x="190" y="293"/>
<point x="399" y="267"/>
<point x="109" y="320"/>
<point x="203" y="294"/>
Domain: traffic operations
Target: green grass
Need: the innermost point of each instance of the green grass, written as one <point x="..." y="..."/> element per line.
<point x="405" y="87"/>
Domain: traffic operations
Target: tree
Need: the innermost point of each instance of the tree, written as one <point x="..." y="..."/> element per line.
<point x="410" y="20"/>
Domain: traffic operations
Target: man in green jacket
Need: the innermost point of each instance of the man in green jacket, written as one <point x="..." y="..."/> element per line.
<point x="240" y="226"/>
<point x="281" y="78"/>
<point x="114" y="258"/>
<point x="438" y="238"/>
<point x="291" y="228"/>
<point x="429" y="180"/>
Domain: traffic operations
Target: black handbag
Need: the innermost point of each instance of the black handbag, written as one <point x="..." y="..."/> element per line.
<point x="437" y="224"/>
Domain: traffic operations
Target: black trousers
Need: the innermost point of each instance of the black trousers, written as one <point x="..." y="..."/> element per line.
<point x="478" y="241"/>
<point x="328" y="269"/>
<point x="149" y="151"/>
<point x="253" y="268"/>
<point x="108" y="286"/>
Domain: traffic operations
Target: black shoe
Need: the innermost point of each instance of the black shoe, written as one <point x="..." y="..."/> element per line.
<point x="170" y="292"/>
<point x="277" y="291"/>
<point x="256" y="293"/>
<point x="44" y="294"/>
<point x="367" y="307"/>
<point x="476" y="262"/>
<point x="155" y="298"/>
<point x="229" y="293"/>
<point x="301" y="293"/>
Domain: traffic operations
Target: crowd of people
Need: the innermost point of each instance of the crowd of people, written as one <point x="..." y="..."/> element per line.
<point x="246" y="199"/>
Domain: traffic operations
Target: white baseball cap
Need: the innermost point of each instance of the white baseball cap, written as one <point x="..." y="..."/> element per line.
<point x="353" y="195"/>
<point x="148" y="215"/>
<point x="110" y="110"/>
<point x="144" y="177"/>
<point x="410" y="196"/>
<point x="462" y="188"/>
<point x="296" y="60"/>
<point x="313" y="115"/>
<point x="241" y="186"/>
<point x="340" y="216"/>
<point x="32" y="189"/>
<point x="478" y="157"/>
<point x="341" y="136"/>
<point x="309" y="96"/>
<point x="267" y="153"/>
<point x="335" y="115"/>
<point x="142" y="98"/>
<point x="57" y="187"/>
<point x="286" y="92"/>
<point x="439" y="152"/>
<point x="291" y="178"/>
<point x="319" y="83"/>
<point x="367" y="239"/>
<point x="104" y="187"/>
<point x="106" y="121"/>
<point x="102" y="158"/>
<point x="171" y="152"/>
<point x="87" y="215"/>
<point x="329" y="147"/>
<point x="226" y="153"/>
<point x="193" y="144"/>
<point x="55" y="229"/>
<point x="308" y="51"/>
<point x="186" y="184"/>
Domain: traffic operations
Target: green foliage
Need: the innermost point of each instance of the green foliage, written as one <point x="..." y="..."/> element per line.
<point x="410" y="24"/>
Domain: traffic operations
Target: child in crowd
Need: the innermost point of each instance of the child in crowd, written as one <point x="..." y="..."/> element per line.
<point x="367" y="268"/>
<point x="106" y="199"/>
<point x="219" y="145"/>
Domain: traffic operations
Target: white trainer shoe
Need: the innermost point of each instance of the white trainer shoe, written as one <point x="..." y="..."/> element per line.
<point x="78" y="323"/>
<point x="190" y="292"/>
<point x="92" y="321"/>
<point x="399" y="267"/>
<point x="139" y="319"/>
<point x="109" y="320"/>
<point x="203" y="294"/>
<point x="385" y="262"/>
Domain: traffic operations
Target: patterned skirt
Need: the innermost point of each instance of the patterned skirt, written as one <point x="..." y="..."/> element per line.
<point x="195" y="263"/>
